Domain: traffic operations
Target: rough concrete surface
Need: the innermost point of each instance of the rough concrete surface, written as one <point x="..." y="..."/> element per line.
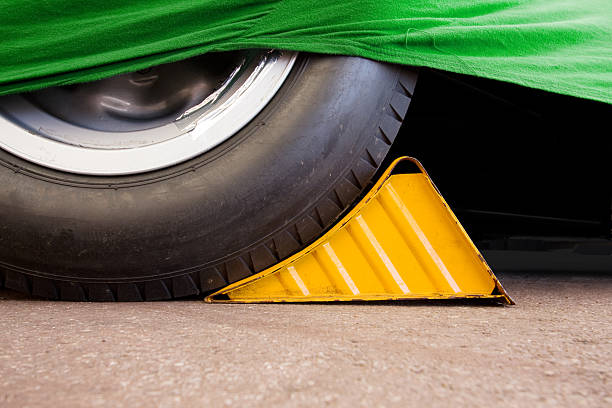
<point x="552" y="349"/>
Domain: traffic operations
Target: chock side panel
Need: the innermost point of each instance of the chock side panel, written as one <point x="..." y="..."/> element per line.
<point x="401" y="241"/>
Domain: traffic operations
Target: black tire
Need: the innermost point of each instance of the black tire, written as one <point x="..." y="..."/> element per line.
<point x="261" y="196"/>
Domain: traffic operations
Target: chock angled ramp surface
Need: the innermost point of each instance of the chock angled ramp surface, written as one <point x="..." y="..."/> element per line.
<point x="401" y="241"/>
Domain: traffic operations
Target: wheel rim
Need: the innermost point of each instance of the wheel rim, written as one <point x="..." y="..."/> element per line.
<point x="142" y="121"/>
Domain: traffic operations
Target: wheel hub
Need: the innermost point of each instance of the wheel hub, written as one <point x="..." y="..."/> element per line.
<point x="139" y="100"/>
<point x="145" y="120"/>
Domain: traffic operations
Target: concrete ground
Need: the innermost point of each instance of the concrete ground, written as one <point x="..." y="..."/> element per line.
<point x="554" y="348"/>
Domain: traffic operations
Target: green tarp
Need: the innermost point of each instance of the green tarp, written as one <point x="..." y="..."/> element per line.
<point x="563" y="46"/>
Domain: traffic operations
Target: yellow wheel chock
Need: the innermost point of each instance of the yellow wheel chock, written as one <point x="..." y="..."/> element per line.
<point x="401" y="241"/>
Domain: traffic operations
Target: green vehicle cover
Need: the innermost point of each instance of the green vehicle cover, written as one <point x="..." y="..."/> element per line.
<point x="563" y="46"/>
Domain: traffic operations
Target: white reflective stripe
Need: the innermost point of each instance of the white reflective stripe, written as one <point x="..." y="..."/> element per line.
<point x="298" y="280"/>
<point x="382" y="254"/>
<point x="432" y="252"/>
<point x="341" y="268"/>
